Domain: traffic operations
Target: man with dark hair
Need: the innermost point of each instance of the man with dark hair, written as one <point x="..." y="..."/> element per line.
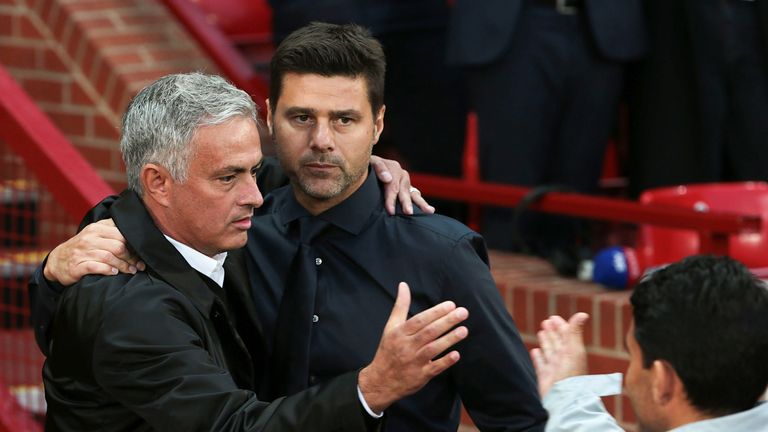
<point x="325" y="257"/>
<point x="698" y="350"/>
<point x="176" y="347"/>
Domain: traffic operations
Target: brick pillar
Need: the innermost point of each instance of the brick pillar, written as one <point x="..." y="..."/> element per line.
<point x="82" y="61"/>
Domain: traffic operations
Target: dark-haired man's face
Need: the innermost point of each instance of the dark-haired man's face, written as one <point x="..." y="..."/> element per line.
<point x="637" y="386"/>
<point x="324" y="132"/>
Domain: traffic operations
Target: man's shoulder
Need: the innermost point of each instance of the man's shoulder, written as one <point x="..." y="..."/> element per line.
<point x="436" y="226"/>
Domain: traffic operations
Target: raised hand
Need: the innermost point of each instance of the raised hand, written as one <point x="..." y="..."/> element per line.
<point x="561" y="353"/>
<point x="405" y="359"/>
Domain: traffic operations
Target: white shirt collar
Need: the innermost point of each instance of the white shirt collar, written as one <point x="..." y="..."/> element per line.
<point x="211" y="267"/>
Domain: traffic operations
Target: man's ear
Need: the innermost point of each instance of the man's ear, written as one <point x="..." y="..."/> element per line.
<point x="269" y="115"/>
<point x="378" y="124"/>
<point x="665" y="383"/>
<point x="156" y="182"/>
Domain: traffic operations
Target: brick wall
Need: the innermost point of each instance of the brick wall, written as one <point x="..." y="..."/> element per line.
<point x="82" y="61"/>
<point x="533" y="291"/>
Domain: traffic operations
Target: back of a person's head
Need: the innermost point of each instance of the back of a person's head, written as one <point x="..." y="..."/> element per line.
<point x="329" y="50"/>
<point x="708" y="317"/>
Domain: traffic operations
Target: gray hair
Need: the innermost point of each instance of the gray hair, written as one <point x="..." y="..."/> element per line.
<point x="161" y="120"/>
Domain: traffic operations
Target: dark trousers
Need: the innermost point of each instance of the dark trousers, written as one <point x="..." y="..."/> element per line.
<point x="545" y="110"/>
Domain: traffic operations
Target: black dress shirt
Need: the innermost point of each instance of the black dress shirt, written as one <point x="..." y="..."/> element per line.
<point x="360" y="260"/>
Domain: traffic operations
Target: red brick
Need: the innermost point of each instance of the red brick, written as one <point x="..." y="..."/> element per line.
<point x="124" y="58"/>
<point x="78" y="96"/>
<point x="8" y="2"/>
<point x="59" y="24"/>
<point x="48" y="10"/>
<point x="98" y="157"/>
<point x="95" y="22"/>
<point x="90" y="6"/>
<point x="520" y="308"/>
<point x="7" y="23"/>
<point x="584" y="304"/>
<point x="18" y="57"/>
<point x="44" y="90"/>
<point x="52" y="62"/>
<point x="28" y="30"/>
<point x="608" y="323"/>
<point x="610" y="403"/>
<point x="103" y="79"/>
<point x="74" y="41"/>
<point x="564" y="305"/>
<point x="540" y="307"/>
<point x="69" y="123"/>
<point x="102" y="128"/>
<point x="133" y="38"/>
<point x="601" y="364"/>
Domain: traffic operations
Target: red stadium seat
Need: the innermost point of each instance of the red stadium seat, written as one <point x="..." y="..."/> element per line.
<point x="658" y="246"/>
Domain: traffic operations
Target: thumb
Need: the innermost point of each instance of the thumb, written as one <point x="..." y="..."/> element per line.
<point x="577" y="321"/>
<point x="402" y="304"/>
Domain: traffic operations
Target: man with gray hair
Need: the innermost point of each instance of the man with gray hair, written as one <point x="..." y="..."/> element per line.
<point x="174" y="347"/>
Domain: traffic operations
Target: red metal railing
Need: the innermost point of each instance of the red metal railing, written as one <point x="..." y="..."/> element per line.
<point x="45" y="187"/>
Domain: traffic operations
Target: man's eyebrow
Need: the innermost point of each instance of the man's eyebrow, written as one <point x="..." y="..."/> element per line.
<point x="299" y="110"/>
<point x="346" y="113"/>
<point x="229" y="169"/>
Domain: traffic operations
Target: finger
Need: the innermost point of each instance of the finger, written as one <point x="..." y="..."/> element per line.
<point x="577" y="322"/>
<point x="402" y="304"/>
<point x="421" y="203"/>
<point x="439" y="326"/>
<point x="405" y="193"/>
<point x="93" y="267"/>
<point x="391" y="192"/>
<point x="422" y="319"/>
<point x="106" y="222"/>
<point x="443" y="343"/>
<point x="381" y="170"/>
<point x="438" y="366"/>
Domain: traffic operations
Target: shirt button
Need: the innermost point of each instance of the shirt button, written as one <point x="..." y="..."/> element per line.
<point x="315" y="318"/>
<point x="318" y="261"/>
<point x="312" y="380"/>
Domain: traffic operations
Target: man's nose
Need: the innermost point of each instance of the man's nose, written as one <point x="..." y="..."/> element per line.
<point x="322" y="137"/>
<point x="251" y="195"/>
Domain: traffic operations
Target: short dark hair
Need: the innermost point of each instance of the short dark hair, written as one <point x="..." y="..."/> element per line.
<point x="330" y="50"/>
<point x="708" y="317"/>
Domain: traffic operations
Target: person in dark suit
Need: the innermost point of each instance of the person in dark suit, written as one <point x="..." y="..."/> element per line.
<point x="699" y="101"/>
<point x="427" y="97"/>
<point x="324" y="253"/>
<point x="178" y="346"/>
<point x="545" y="79"/>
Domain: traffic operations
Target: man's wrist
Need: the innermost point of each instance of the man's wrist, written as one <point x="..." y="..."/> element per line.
<point x="365" y="405"/>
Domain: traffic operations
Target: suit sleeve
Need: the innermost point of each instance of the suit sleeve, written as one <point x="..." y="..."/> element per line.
<point x="150" y="355"/>
<point x="495" y="376"/>
<point x="43" y="294"/>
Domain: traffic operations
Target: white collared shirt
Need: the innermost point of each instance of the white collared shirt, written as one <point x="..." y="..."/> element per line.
<point x="211" y="267"/>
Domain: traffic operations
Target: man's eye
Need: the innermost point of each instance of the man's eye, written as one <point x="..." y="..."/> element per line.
<point x="345" y="120"/>
<point x="302" y="118"/>
<point x="227" y="179"/>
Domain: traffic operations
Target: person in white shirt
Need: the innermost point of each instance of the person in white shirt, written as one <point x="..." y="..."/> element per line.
<point x="698" y="355"/>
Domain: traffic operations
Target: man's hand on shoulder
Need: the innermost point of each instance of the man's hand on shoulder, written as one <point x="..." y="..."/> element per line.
<point x="398" y="187"/>
<point x="98" y="249"/>
<point x="405" y="359"/>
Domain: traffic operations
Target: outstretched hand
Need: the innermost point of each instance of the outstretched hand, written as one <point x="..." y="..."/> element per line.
<point x="98" y="249"/>
<point x="405" y="359"/>
<point x="561" y="353"/>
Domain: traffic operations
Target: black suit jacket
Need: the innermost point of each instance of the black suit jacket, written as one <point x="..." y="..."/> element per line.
<point x="159" y="351"/>
<point x="480" y="30"/>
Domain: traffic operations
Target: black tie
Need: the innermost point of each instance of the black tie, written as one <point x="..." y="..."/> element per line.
<point x="293" y="328"/>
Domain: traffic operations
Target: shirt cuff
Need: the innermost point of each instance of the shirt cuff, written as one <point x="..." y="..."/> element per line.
<point x="597" y="385"/>
<point x="365" y="405"/>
